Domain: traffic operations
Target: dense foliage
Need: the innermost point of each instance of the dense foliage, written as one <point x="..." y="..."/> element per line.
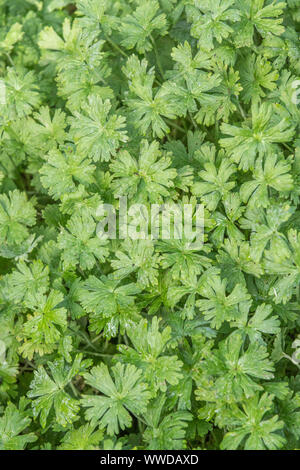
<point x="110" y="344"/>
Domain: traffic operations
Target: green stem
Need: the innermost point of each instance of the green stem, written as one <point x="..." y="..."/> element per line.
<point x="240" y="108"/>
<point x="140" y="419"/>
<point x="291" y="359"/>
<point x="10" y="59"/>
<point x="217" y="129"/>
<point x="81" y="272"/>
<point x="193" y="120"/>
<point x="115" y="46"/>
<point x="242" y="111"/>
<point x="96" y="339"/>
<point x="157" y="58"/>
<point x="85" y="338"/>
<point x="287" y="147"/>
<point x="94" y="353"/>
<point x="74" y="390"/>
<point x="173" y="124"/>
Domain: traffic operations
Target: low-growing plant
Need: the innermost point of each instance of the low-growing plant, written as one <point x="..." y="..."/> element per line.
<point x="149" y="342"/>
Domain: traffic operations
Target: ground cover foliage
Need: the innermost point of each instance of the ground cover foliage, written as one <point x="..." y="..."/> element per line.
<point x="141" y="344"/>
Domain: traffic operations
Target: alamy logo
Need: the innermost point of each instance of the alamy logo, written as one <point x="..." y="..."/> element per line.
<point x="154" y="222"/>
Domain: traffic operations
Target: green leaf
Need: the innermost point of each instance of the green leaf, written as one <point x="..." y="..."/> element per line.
<point x="218" y="307"/>
<point x="111" y="305"/>
<point x="17" y="214"/>
<point x="12" y="424"/>
<point x="165" y="432"/>
<point x="137" y="257"/>
<point x="255" y="16"/>
<point x="148" y="108"/>
<point x="48" y="392"/>
<point x="122" y="395"/>
<point x="211" y="20"/>
<point x="234" y="372"/>
<point x="80" y="243"/>
<point x="148" y="178"/>
<point x="136" y="29"/>
<point x="272" y="173"/>
<point x="258" y="433"/>
<point x="45" y="326"/>
<point x="97" y="132"/>
<point x="262" y="137"/>
<point x="27" y="280"/>
<point x="83" y="438"/>
<point x="148" y="354"/>
<point x="215" y="183"/>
